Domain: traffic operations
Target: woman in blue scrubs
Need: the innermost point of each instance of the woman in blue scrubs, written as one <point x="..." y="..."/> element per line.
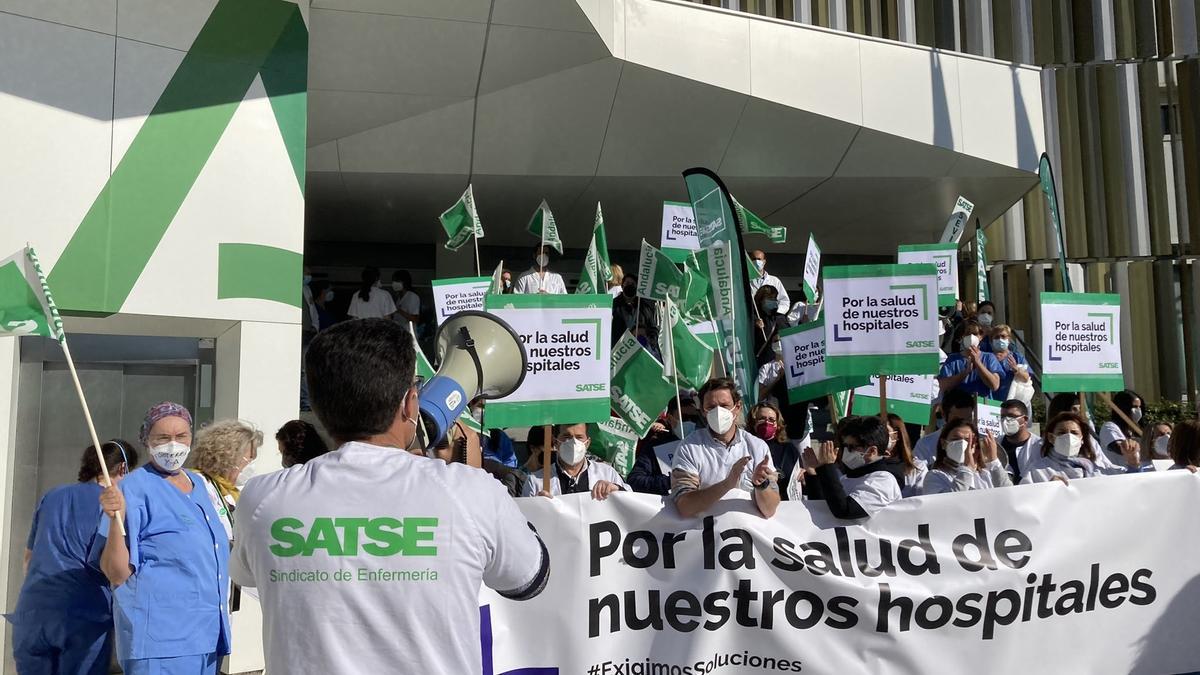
<point x="170" y="573"/>
<point x="63" y="619"/>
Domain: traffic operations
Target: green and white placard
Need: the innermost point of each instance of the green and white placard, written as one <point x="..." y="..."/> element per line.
<point x="909" y="396"/>
<point x="804" y="364"/>
<point x="881" y="319"/>
<point x="678" y="231"/>
<point x="987" y="417"/>
<point x="566" y="340"/>
<point x="1081" y="342"/>
<point x="451" y="296"/>
<point x="812" y="269"/>
<point x="640" y="388"/>
<point x="615" y="442"/>
<point x="945" y="257"/>
<point x="957" y="222"/>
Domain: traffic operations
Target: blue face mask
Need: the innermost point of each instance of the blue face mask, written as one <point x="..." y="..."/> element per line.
<point x="770" y="305"/>
<point x="307" y="279"/>
<point x="1000" y="344"/>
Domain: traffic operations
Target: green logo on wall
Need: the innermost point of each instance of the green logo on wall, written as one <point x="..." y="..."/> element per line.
<point x="385" y="536"/>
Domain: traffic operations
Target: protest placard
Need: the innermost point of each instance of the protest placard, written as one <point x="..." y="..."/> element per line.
<point x="566" y="339"/>
<point x="1081" y="342"/>
<point x="881" y="319"/>
<point x="812" y="269"/>
<point x="804" y="364"/>
<point x="909" y="396"/>
<point x="987" y="417"/>
<point x="678" y="231"/>
<point x="451" y="296"/>
<point x="944" y="257"/>
<point x="957" y="222"/>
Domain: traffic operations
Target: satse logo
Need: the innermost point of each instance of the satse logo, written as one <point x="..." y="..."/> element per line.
<point x="383" y="536"/>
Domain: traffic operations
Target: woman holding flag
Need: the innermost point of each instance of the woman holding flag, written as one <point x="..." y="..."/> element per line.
<point x="170" y="573"/>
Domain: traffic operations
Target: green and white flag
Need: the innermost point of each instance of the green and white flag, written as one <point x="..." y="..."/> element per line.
<point x="752" y="224"/>
<point x="985" y="291"/>
<point x="425" y="372"/>
<point x="1046" y="176"/>
<point x="686" y="354"/>
<point x="597" y="269"/>
<point x="957" y="222"/>
<point x="1081" y="342"/>
<point x="658" y="277"/>
<point x="804" y="364"/>
<point x="694" y="305"/>
<point x="615" y="442"/>
<point x="944" y="257"/>
<point x="812" y="269"/>
<point x="881" y="319"/>
<point x="841" y="403"/>
<point x="461" y="221"/>
<point x="640" y="390"/>
<point x="542" y="225"/>
<point x="752" y="272"/>
<point x="566" y="340"/>
<point x="497" y="285"/>
<point x="26" y="305"/>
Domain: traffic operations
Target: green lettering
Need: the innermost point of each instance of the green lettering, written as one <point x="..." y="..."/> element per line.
<point x="386" y="541"/>
<point x="323" y="534"/>
<point x="414" y="535"/>
<point x="290" y="542"/>
<point x="350" y="529"/>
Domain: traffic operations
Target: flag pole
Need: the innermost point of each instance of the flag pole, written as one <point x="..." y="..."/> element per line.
<point x="547" y="430"/>
<point x="475" y="238"/>
<point x="674" y="365"/>
<point x="883" y="409"/>
<point x="713" y="321"/>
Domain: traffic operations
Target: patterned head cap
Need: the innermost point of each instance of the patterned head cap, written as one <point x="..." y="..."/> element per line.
<point x="158" y="412"/>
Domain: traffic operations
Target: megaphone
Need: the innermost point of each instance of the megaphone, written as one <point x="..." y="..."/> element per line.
<point x="481" y="356"/>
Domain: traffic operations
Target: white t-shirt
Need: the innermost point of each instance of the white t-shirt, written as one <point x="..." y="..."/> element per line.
<point x="377" y="306"/>
<point x="369" y="560"/>
<point x="596" y="471"/>
<point x="872" y="491"/>
<point x="704" y="456"/>
<point x="532" y="282"/>
<point x="410" y="303"/>
<point x="769" y="372"/>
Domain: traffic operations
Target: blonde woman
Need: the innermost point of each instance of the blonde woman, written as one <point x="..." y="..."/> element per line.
<point x="614" y="284"/>
<point x="223" y="454"/>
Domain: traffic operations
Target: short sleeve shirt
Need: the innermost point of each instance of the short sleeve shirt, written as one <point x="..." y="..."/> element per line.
<point x="62" y="578"/>
<point x="409" y="303"/>
<point x="374" y="557"/>
<point x="702" y="455"/>
<point x="377" y="305"/>
<point x="956" y="363"/>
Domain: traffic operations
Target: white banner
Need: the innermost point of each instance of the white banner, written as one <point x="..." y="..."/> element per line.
<point x="957" y="222"/>
<point x="451" y="296"/>
<point x="987" y="418"/>
<point x="678" y="230"/>
<point x="1005" y="580"/>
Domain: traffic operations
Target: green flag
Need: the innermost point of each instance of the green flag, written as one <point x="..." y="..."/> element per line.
<point x="752" y="224"/>
<point x="497" y="285"/>
<point x="461" y="221"/>
<point x="615" y="442"/>
<point x="596" y="266"/>
<point x="985" y="290"/>
<point x="639" y="390"/>
<point x="542" y="226"/>
<point x="685" y="355"/>
<point x="751" y="269"/>
<point x="658" y="277"/>
<point x="26" y="305"/>
<point x="1046" y="175"/>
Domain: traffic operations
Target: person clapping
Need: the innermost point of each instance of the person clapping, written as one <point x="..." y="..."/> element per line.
<point x="965" y="461"/>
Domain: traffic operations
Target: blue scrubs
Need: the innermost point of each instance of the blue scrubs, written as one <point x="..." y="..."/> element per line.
<point x="172" y="614"/>
<point x="62" y="623"/>
<point x="1007" y="372"/>
<point x="956" y="363"/>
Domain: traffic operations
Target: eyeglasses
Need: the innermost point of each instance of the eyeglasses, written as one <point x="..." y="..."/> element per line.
<point x="184" y="437"/>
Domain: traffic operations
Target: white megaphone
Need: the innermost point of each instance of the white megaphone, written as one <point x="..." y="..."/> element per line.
<point x="481" y="357"/>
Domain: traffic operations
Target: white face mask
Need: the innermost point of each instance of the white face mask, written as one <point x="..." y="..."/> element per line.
<point x="397" y="286"/>
<point x="1067" y="445"/>
<point x="853" y="459"/>
<point x="760" y="264"/>
<point x="572" y="451"/>
<point x="246" y="474"/>
<point x="1000" y="344"/>
<point x="1162" y="444"/>
<point x="542" y="260"/>
<point x="170" y="456"/>
<point x="985" y="319"/>
<point x="1136" y="415"/>
<point x="956" y="451"/>
<point x="970" y="341"/>
<point x="777" y="348"/>
<point x="328" y="296"/>
<point x="1011" y="426"/>
<point x="720" y="420"/>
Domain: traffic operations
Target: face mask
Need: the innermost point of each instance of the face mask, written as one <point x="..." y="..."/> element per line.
<point x="508" y="283"/>
<point x="1011" y="426"/>
<point x="1135" y="415"/>
<point x="760" y="264"/>
<point x="985" y="319"/>
<point x="853" y="459"/>
<point x="970" y="341"/>
<point x="720" y="420"/>
<point x="766" y="430"/>
<point x="397" y="286"/>
<point x="687" y="427"/>
<point x="572" y="451"/>
<point x="956" y="451"/>
<point x="1067" y="445"/>
<point x="542" y="260"/>
<point x="328" y="296"/>
<point x="1000" y="344"/>
<point x="376" y="285"/>
<point x="170" y="456"/>
<point x="770" y="305"/>
<point x="246" y="474"/>
<point x="777" y="348"/>
<point x="1161" y="444"/>
<point x="307" y="279"/>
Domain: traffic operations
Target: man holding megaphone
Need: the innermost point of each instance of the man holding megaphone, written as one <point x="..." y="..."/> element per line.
<point x="367" y="552"/>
